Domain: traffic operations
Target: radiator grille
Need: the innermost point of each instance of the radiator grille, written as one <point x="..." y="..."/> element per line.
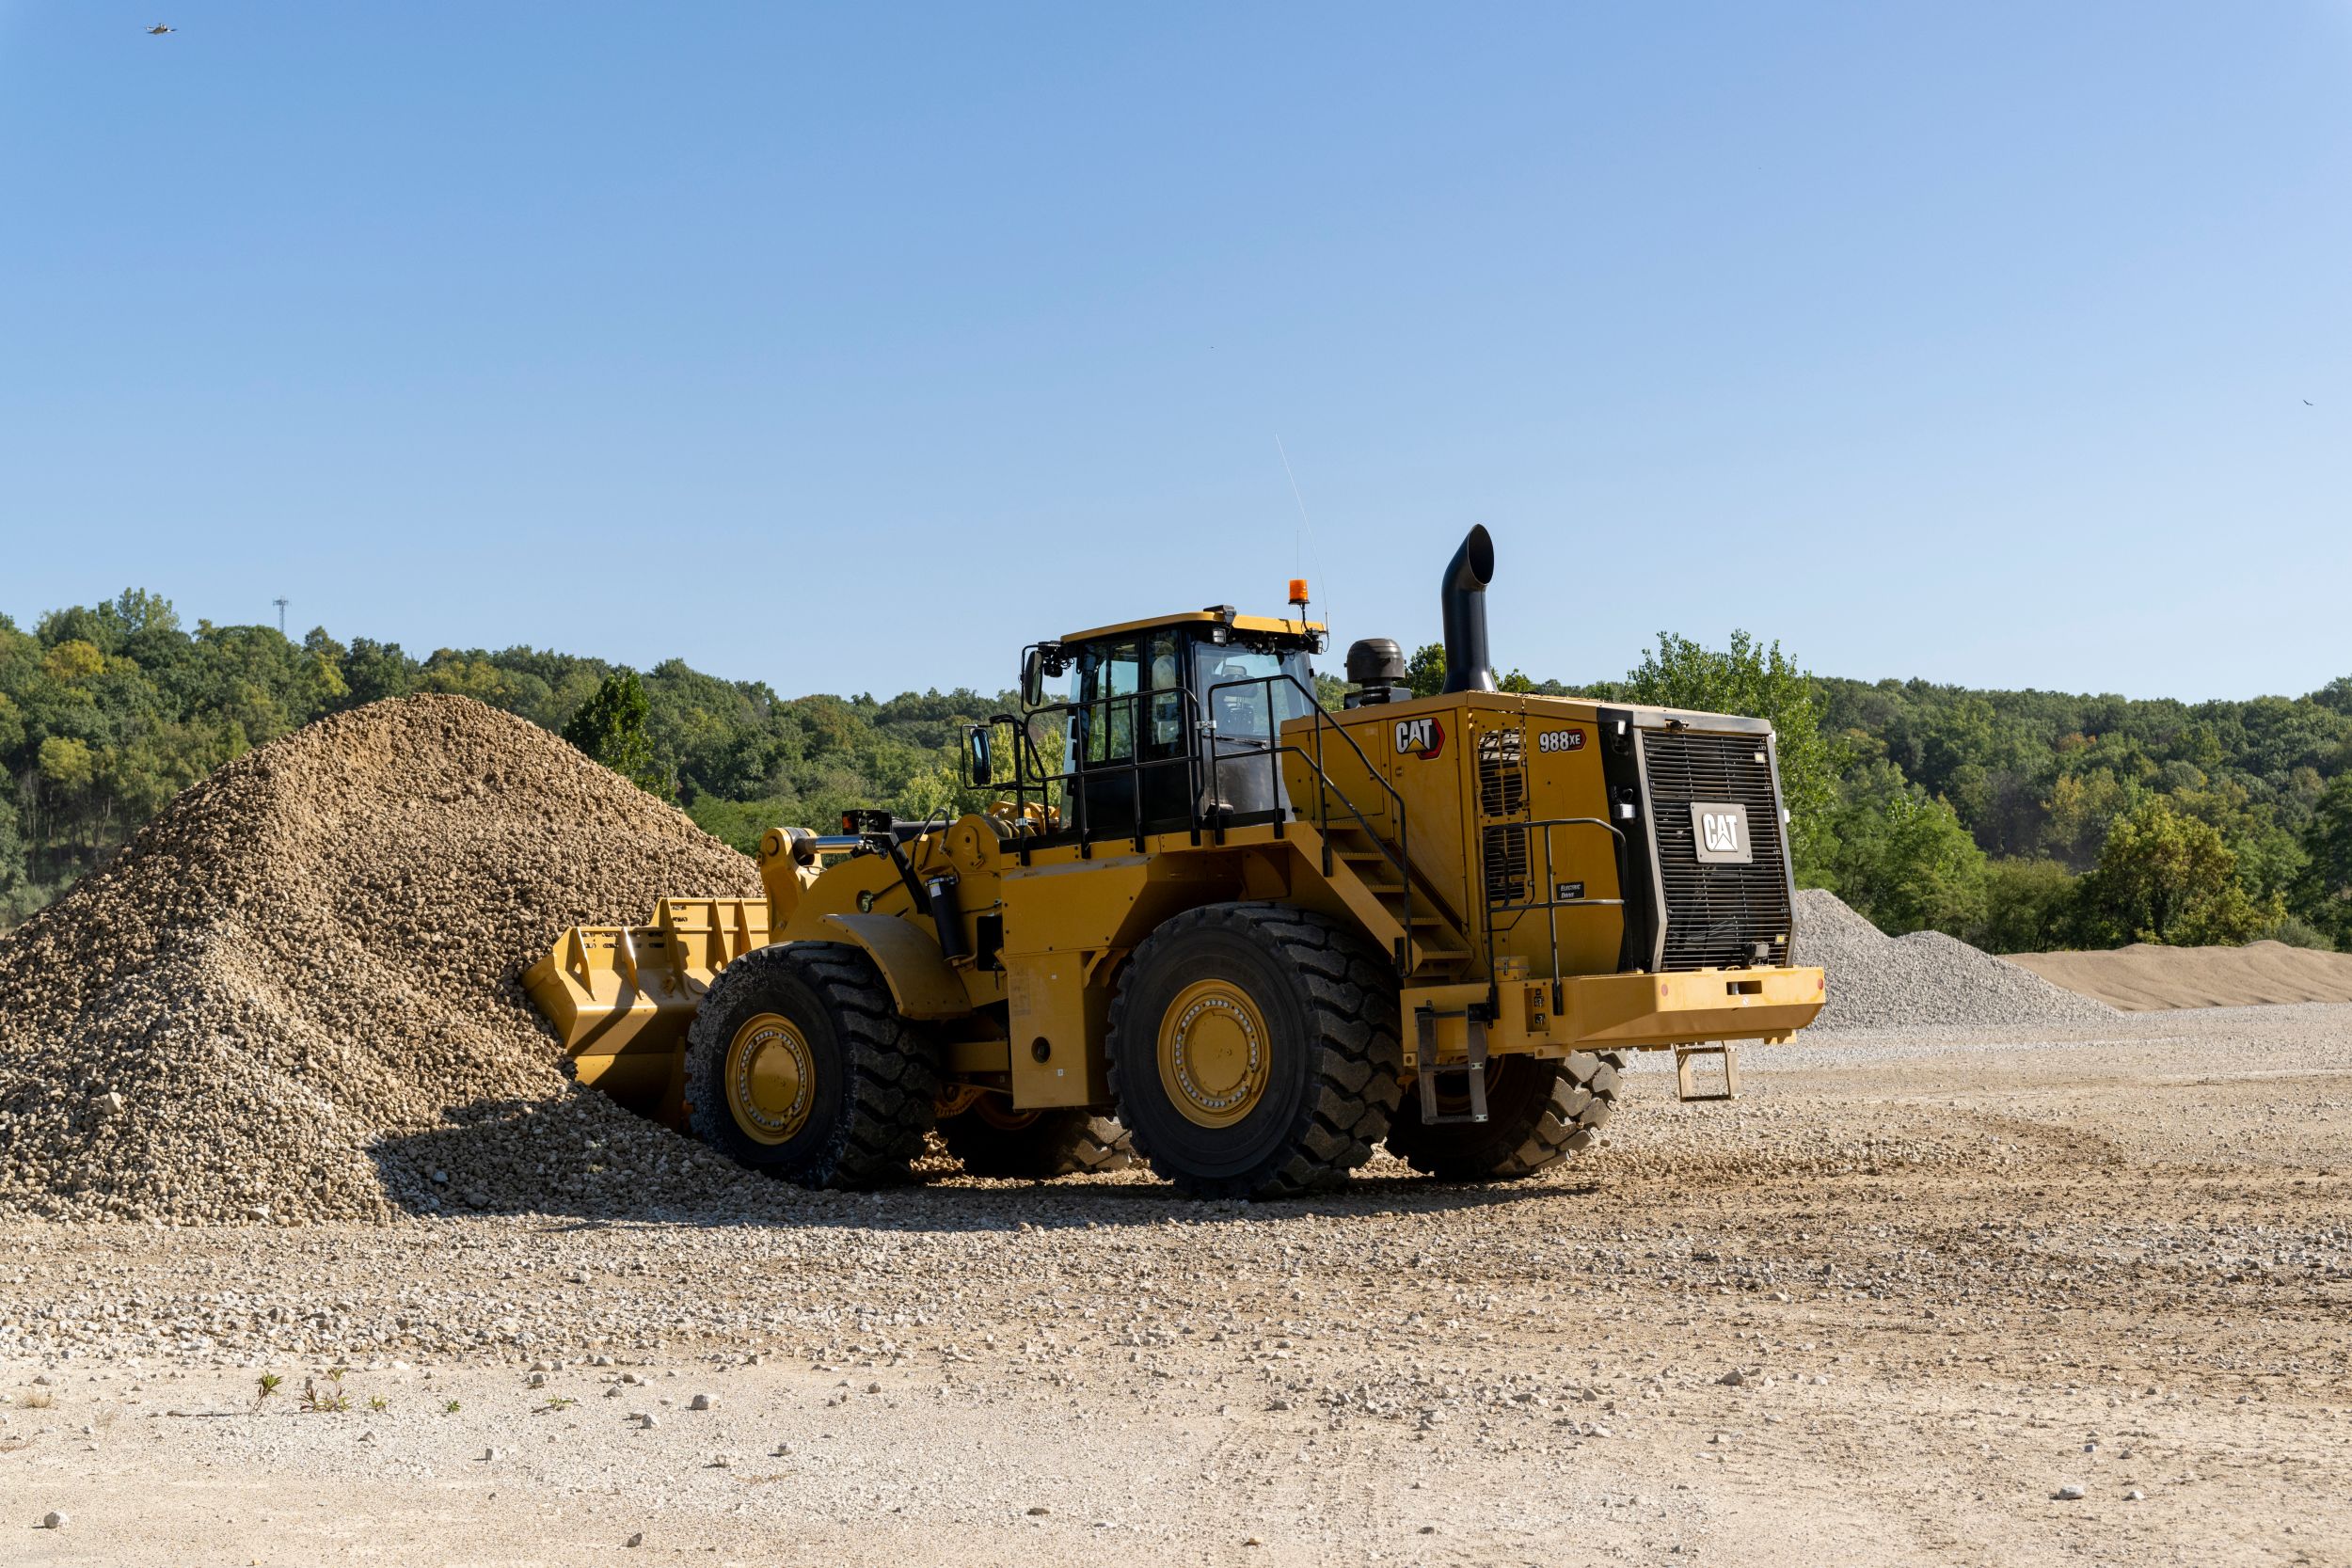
<point x="1717" y="915"/>
<point x="1503" y="793"/>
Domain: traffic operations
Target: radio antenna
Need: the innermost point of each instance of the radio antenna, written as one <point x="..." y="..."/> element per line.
<point x="1304" y="528"/>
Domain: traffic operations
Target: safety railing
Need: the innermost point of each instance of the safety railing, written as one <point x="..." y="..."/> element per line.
<point x="1031" y="776"/>
<point x="1206" y="811"/>
<point x="1495" y="834"/>
<point x="1399" y="855"/>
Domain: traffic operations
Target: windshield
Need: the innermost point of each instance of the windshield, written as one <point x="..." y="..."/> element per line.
<point x="1240" y="712"/>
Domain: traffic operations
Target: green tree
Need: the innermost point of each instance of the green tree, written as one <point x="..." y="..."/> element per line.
<point x="2323" y="894"/>
<point x="373" y="670"/>
<point x="14" y="874"/>
<point x="2029" y="908"/>
<point x="75" y="663"/>
<point x="1425" y="671"/>
<point x="2166" y="878"/>
<point x="68" y="770"/>
<point x="611" y="727"/>
<point x="1757" y="682"/>
<point x="1900" y="856"/>
<point x="2078" y="812"/>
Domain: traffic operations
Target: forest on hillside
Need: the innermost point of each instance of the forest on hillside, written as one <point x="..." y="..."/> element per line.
<point x="2018" y="820"/>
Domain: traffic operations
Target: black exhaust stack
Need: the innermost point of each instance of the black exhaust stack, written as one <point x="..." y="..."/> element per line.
<point x="1469" y="667"/>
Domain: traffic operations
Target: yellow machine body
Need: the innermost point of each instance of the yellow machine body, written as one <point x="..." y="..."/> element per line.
<point x="1482" y="838"/>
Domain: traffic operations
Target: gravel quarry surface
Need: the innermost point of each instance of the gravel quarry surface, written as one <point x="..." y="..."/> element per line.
<point x="2144" y="978"/>
<point x="293" y="995"/>
<point x="2025" y="1296"/>
<point x="1922" y="980"/>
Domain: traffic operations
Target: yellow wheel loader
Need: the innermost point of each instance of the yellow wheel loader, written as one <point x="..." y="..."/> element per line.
<point x="1267" y="938"/>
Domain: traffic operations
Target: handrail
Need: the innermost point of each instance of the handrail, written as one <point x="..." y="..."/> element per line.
<point x="1025" y="756"/>
<point x="1400" y="858"/>
<point x="1031" y="774"/>
<point x="1550" y="907"/>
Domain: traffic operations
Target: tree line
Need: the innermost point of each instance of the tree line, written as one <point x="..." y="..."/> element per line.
<point x="108" y="711"/>
<point x="2016" y="820"/>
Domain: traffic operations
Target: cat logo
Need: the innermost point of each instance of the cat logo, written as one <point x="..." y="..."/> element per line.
<point x="1720" y="831"/>
<point x="1421" y="737"/>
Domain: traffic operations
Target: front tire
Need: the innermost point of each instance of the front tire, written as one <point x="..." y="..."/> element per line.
<point x="1254" y="1051"/>
<point x="799" y="1065"/>
<point x="1538" y="1113"/>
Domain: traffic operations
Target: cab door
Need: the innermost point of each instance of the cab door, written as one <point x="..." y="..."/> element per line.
<point x="1132" y="749"/>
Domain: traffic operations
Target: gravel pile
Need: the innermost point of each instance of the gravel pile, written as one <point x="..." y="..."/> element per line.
<point x="1926" y="980"/>
<point x="295" y="996"/>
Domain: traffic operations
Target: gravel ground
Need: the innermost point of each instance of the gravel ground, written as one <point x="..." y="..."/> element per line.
<point x="1954" y="1276"/>
<point x="1923" y="980"/>
<point x="2028" y="1281"/>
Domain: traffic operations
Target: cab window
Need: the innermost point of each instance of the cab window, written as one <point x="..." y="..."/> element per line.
<point x="1108" y="684"/>
<point x="1252" y="712"/>
<point x="1162" y="673"/>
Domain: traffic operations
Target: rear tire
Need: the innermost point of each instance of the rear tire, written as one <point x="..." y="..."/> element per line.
<point x="993" y="1140"/>
<point x="1538" y="1113"/>
<point x="799" y="1065"/>
<point x="1254" y="1051"/>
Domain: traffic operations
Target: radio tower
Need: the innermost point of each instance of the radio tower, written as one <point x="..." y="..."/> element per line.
<point x="280" y="603"/>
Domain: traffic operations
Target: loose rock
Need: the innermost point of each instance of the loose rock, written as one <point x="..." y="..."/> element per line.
<point x="1923" y="980"/>
<point x="295" y="996"/>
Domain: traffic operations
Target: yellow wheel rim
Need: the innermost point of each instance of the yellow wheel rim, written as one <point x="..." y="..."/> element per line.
<point x="771" y="1079"/>
<point x="1212" y="1051"/>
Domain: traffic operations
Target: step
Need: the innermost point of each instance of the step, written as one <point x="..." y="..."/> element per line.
<point x="1686" y="1078"/>
<point x="1472" y="1068"/>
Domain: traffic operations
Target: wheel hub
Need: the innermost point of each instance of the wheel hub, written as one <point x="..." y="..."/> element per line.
<point x="771" y="1079"/>
<point x="1213" y="1054"/>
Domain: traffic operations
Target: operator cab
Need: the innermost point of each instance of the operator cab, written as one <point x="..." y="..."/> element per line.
<point x="1169" y="724"/>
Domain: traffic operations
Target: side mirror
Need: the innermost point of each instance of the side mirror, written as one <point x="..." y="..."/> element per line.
<point x="1033" y="677"/>
<point x="979" y="757"/>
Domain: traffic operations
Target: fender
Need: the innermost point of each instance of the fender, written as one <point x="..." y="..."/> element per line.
<point x="921" y="982"/>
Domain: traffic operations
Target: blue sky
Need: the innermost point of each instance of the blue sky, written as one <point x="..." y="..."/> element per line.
<point x="850" y="349"/>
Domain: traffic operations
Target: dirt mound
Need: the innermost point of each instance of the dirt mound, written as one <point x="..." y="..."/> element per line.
<point x="2144" y="978"/>
<point x="1926" y="980"/>
<point x="294" y="994"/>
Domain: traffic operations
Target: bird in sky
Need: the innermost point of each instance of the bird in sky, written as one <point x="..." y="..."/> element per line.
<point x="2309" y="403"/>
<point x="159" y="30"/>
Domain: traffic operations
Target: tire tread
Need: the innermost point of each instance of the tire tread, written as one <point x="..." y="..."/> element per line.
<point x="1349" y="994"/>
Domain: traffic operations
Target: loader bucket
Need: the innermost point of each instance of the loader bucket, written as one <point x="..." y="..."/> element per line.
<point x="621" y="997"/>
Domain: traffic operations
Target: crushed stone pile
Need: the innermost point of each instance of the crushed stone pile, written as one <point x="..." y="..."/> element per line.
<point x="1924" y="980"/>
<point x="295" y="994"/>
